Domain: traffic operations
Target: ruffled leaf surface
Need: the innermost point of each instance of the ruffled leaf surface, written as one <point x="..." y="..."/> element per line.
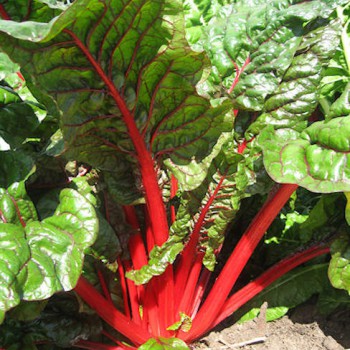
<point x="316" y="159"/>
<point x="270" y="58"/>
<point x="339" y="266"/>
<point x="41" y="258"/>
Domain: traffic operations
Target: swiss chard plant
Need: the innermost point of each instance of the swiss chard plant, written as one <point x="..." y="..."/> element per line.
<point x="135" y="136"/>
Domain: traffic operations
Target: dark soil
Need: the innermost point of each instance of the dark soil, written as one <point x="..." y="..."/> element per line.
<point x="302" y="329"/>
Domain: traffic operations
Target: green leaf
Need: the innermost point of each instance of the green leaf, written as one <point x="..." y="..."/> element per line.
<point x="62" y="323"/>
<point x="339" y="266"/>
<point x="296" y="97"/>
<point x="148" y="64"/>
<point x="332" y="299"/>
<point x="15" y="166"/>
<point x="287" y="292"/>
<point x="164" y="344"/>
<point x="28" y="10"/>
<point x="17" y="119"/>
<point x="341" y="107"/>
<point x="39" y="259"/>
<point x="184" y="324"/>
<point x="159" y="259"/>
<point x="15" y="205"/>
<point x="316" y="159"/>
<point x="269" y="34"/>
<point x="7" y="67"/>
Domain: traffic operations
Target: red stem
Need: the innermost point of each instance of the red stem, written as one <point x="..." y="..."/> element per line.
<point x="133" y="297"/>
<point x="202" y="285"/>
<point x="131" y="217"/>
<point x="4" y="14"/>
<point x="187" y="300"/>
<point x="271" y="275"/>
<point x="189" y="254"/>
<point x="104" y="286"/>
<point x="109" y="314"/>
<point x="124" y="288"/>
<point x="154" y="200"/>
<point x="109" y="336"/>
<point x="151" y="308"/>
<point x="227" y="278"/>
<point x="165" y="296"/>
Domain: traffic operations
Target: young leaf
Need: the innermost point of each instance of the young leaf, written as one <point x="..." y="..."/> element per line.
<point x="41" y="258"/>
<point x="159" y="259"/>
<point x="164" y="344"/>
<point x="16" y="206"/>
<point x="316" y="159"/>
<point x="339" y="266"/>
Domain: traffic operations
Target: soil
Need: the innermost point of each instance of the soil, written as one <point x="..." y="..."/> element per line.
<point x="302" y="329"/>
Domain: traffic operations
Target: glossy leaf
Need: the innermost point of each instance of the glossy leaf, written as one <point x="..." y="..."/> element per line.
<point x="316" y="159"/>
<point x="15" y="205"/>
<point x="341" y="107"/>
<point x="92" y="79"/>
<point x="297" y="95"/>
<point x="159" y="259"/>
<point x="339" y="266"/>
<point x="41" y="258"/>
<point x="214" y="204"/>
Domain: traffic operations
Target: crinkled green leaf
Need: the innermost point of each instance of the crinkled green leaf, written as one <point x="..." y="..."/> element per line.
<point x="291" y="102"/>
<point x="197" y="14"/>
<point x="164" y="344"/>
<point x="339" y="266"/>
<point x="213" y="204"/>
<point x="341" y="107"/>
<point x="334" y="82"/>
<point x="287" y="292"/>
<point x="159" y="260"/>
<point x="316" y="159"/>
<point x="184" y="324"/>
<point x="41" y="258"/>
<point x="267" y="32"/>
<point x="15" y="205"/>
<point x="156" y="83"/>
